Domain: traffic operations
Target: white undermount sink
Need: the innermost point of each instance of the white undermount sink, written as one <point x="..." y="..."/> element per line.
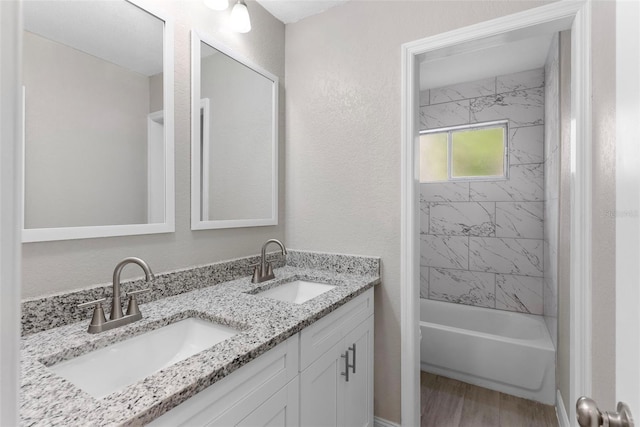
<point x="112" y="368"/>
<point x="298" y="291"/>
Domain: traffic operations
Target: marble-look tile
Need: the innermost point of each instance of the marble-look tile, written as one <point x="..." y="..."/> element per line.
<point x="444" y="192"/>
<point x="424" y="282"/>
<point x="552" y="99"/>
<point x="520" y="219"/>
<point x="525" y="184"/>
<point x="462" y="219"/>
<point x="424" y="217"/>
<point x="526" y="145"/>
<point x="460" y="91"/>
<point x="444" y="251"/>
<point x="521" y="108"/>
<point x="447" y="114"/>
<point x="519" y="293"/>
<point x="507" y="256"/>
<point x="463" y="287"/>
<point x="424" y="97"/>
<point x="519" y="81"/>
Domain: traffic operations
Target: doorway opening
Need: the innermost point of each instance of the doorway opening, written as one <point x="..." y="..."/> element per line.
<point x="546" y="20"/>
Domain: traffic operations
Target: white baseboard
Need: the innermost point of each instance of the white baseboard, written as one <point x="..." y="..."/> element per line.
<point x="561" y="412"/>
<point x="381" y="422"/>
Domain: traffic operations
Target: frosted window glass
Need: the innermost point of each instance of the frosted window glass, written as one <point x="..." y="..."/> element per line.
<point x="433" y="157"/>
<point x="477" y="153"/>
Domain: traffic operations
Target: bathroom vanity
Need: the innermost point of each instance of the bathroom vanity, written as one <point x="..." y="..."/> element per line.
<point x="284" y="363"/>
<point x="322" y="375"/>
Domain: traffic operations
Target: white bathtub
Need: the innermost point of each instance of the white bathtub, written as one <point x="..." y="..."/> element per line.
<point x="499" y="350"/>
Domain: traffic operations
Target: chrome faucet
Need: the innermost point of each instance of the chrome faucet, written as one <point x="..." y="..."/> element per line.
<point x="264" y="271"/>
<point x="98" y="322"/>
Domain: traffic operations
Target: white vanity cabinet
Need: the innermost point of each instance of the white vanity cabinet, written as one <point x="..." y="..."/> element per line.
<point x="336" y="378"/>
<point x="300" y="382"/>
<point x="263" y="392"/>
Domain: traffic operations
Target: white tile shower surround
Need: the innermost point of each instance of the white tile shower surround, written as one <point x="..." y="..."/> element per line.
<point x="526" y="145"/>
<point x="482" y="242"/>
<point x="462" y="219"/>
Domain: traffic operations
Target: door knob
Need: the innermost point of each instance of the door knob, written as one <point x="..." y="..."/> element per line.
<point x="590" y="416"/>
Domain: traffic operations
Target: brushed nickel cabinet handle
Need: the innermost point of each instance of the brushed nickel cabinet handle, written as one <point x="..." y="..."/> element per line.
<point x="345" y="356"/>
<point x="353" y="348"/>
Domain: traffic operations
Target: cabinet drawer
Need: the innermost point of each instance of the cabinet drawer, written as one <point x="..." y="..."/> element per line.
<point x="318" y="338"/>
<point x="239" y="393"/>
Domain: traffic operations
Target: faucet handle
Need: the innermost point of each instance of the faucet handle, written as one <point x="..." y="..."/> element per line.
<point x="92" y="303"/>
<point x="132" y="308"/>
<point x="138" y="292"/>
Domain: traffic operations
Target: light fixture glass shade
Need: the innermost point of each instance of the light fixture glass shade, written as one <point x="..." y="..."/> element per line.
<point x="240" y="21"/>
<point x="217" y="4"/>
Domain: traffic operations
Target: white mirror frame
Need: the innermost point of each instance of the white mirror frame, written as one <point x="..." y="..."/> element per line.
<point x="168" y="226"/>
<point x="196" y="201"/>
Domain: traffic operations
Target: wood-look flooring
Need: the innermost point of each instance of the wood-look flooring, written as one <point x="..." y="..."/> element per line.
<point x="446" y="402"/>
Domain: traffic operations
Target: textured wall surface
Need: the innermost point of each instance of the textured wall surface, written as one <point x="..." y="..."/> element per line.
<point x="344" y="138"/>
<point x="51" y="267"/>
<point x="481" y="241"/>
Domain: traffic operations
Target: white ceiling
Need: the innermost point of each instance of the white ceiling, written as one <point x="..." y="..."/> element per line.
<point x="290" y="11"/>
<point x="116" y="31"/>
<point x="499" y="59"/>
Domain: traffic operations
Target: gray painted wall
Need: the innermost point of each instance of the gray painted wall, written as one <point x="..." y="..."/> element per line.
<point x="51" y="267"/>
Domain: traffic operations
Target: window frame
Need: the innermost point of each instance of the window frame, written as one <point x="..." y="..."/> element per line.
<point x="449" y="130"/>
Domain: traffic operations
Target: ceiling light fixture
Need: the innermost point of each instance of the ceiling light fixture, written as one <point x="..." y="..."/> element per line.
<point x="217" y="4"/>
<point x="240" y="21"/>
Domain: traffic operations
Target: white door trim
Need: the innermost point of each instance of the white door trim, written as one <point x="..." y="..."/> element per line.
<point x="574" y="15"/>
<point x="10" y="208"/>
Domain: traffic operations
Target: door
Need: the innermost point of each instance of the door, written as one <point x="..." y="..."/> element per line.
<point x="321" y="391"/>
<point x="627" y="214"/>
<point x="280" y="410"/>
<point x="358" y="397"/>
<point x="627" y="220"/>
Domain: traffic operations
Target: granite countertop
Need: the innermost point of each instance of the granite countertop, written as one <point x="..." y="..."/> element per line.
<point x="47" y="399"/>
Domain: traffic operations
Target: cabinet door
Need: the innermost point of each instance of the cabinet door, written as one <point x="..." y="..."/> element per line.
<point x="280" y="410"/>
<point x="358" y="396"/>
<point x="321" y="390"/>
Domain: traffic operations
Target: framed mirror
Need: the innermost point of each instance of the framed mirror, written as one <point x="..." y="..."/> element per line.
<point x="234" y="139"/>
<point x="98" y="119"/>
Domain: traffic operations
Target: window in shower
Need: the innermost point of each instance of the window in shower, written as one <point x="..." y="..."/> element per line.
<point x="463" y="153"/>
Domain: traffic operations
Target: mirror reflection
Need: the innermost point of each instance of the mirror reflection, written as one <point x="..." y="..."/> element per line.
<point x="94" y="121"/>
<point x="236" y="142"/>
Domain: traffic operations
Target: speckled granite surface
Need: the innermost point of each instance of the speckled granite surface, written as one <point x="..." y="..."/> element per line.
<point x="39" y="314"/>
<point x="47" y="399"/>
